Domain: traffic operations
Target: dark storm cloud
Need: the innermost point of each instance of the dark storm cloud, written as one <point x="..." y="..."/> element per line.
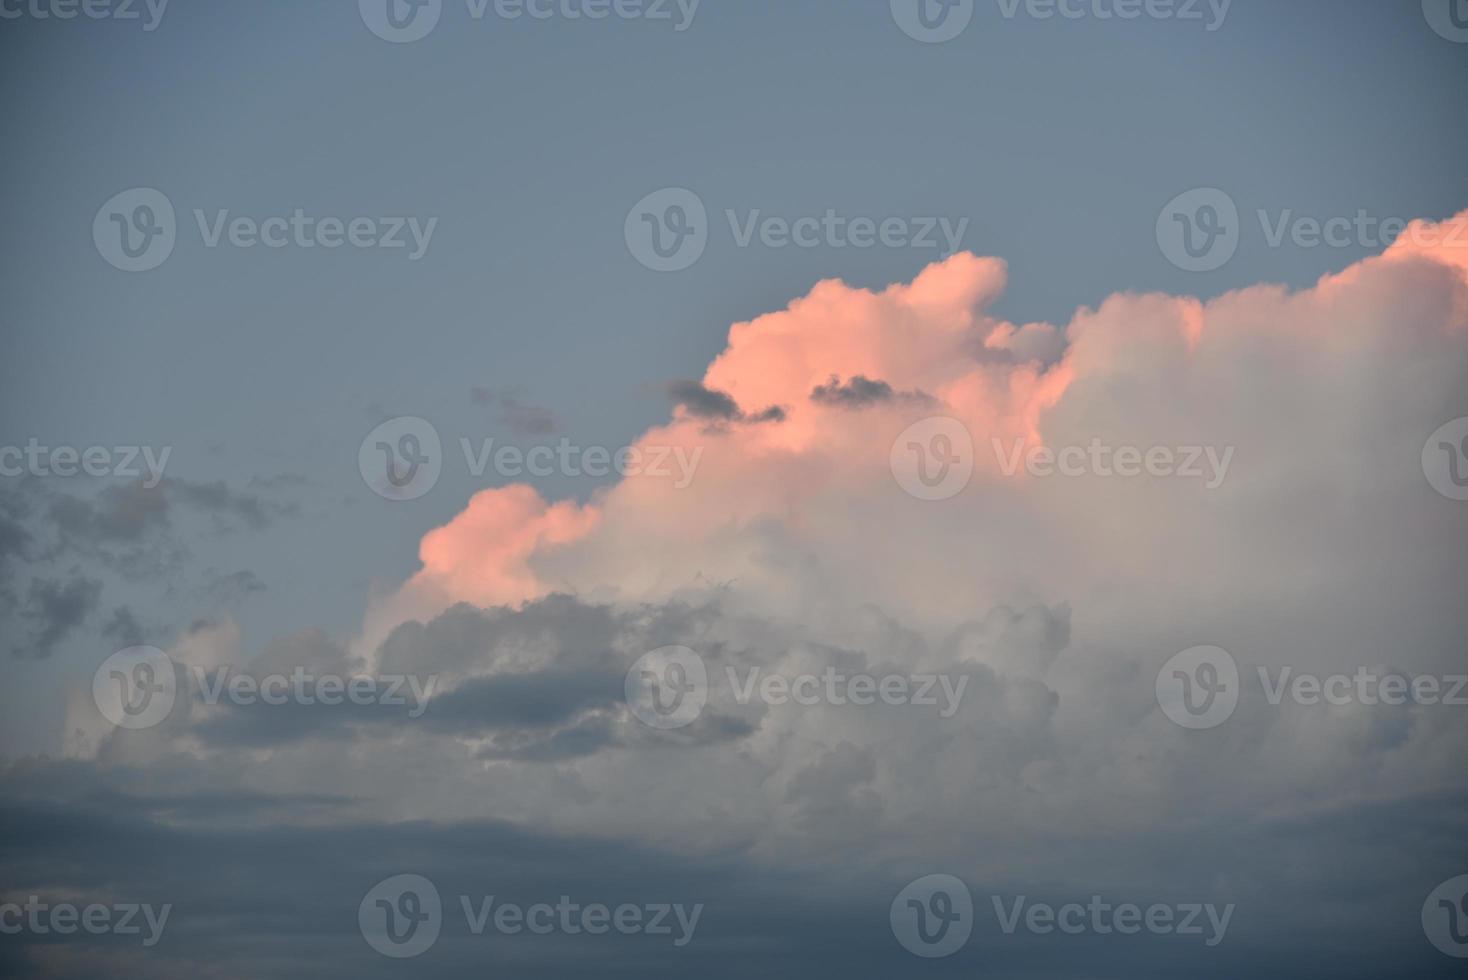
<point x="573" y="707"/>
<point x="73" y="831"/>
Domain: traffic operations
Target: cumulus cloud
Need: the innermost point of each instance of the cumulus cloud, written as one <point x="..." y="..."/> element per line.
<point x="1050" y="601"/>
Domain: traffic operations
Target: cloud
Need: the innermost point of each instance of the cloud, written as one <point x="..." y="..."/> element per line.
<point x="123" y="629"/>
<point x="860" y="392"/>
<point x="1054" y="599"/>
<point x="227" y="589"/>
<point x="226" y="505"/>
<point x="55" y="608"/>
<point x="122" y="514"/>
<point x="702" y="402"/>
<point x="521" y="417"/>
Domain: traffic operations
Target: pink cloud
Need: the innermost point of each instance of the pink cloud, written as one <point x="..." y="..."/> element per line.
<point x="806" y="506"/>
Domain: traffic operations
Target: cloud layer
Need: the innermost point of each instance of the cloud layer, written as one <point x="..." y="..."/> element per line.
<point x="795" y="551"/>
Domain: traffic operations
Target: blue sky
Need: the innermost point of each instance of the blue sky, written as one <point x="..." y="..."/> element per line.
<point x="517" y="148"/>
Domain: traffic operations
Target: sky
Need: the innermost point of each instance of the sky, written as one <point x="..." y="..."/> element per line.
<point x="877" y="488"/>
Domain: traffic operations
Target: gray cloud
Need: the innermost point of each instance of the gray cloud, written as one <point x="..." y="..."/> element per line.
<point x="861" y="392"/>
<point x="54" y="609"/>
<point x="123" y="629"/>
<point x="717" y="406"/>
<point x="228" y="589"/>
<point x="513" y="411"/>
